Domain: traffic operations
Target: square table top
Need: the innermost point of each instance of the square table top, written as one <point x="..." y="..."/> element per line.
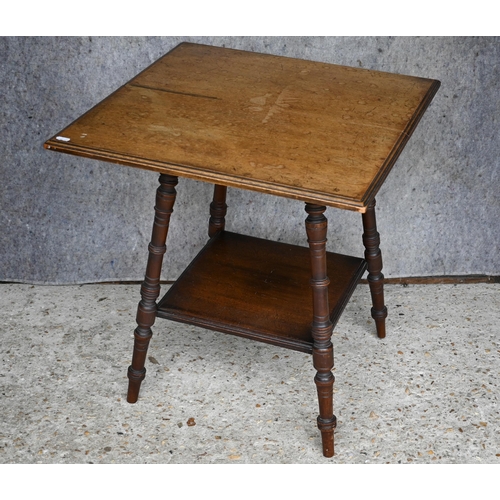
<point x="311" y="131"/>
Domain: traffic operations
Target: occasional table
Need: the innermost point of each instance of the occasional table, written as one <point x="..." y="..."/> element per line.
<point x="323" y="134"/>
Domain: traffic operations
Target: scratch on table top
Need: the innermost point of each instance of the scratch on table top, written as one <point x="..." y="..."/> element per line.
<point x="172" y="91"/>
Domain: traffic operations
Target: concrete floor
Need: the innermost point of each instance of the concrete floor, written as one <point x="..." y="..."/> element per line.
<point x="428" y="393"/>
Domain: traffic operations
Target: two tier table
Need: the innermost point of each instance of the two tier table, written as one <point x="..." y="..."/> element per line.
<point x="323" y="134"/>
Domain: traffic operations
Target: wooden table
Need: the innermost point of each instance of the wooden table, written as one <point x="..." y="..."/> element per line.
<point x="323" y="134"/>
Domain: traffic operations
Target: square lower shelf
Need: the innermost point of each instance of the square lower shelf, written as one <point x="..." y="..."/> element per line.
<point x="258" y="289"/>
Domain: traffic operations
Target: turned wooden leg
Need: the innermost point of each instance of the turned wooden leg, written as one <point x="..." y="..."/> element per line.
<point x="150" y="289"/>
<point x="373" y="256"/>
<point x="316" y="228"/>
<point x="218" y="210"/>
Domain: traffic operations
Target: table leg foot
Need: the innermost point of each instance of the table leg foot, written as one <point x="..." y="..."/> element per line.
<point x="373" y="256"/>
<point x="327" y="428"/>
<point x="137" y="375"/>
<point x="324" y="379"/>
<point x="134" y="384"/>
<point x="150" y="288"/>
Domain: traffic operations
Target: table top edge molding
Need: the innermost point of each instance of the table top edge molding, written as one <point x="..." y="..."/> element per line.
<point x="204" y="175"/>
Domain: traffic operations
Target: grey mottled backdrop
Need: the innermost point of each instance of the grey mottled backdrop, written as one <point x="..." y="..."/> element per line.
<point x="69" y="220"/>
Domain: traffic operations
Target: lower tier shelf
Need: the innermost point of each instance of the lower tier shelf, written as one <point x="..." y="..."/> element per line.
<point x="258" y="289"/>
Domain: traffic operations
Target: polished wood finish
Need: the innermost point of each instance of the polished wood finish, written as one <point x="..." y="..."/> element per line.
<point x="150" y="289"/>
<point x="258" y="289"/>
<point x="218" y="209"/>
<point x="373" y="255"/>
<point x="316" y="132"/>
<point x="322" y="327"/>
<point x="324" y="134"/>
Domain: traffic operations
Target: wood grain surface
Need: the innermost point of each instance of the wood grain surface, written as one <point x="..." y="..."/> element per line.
<point x="317" y="132"/>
